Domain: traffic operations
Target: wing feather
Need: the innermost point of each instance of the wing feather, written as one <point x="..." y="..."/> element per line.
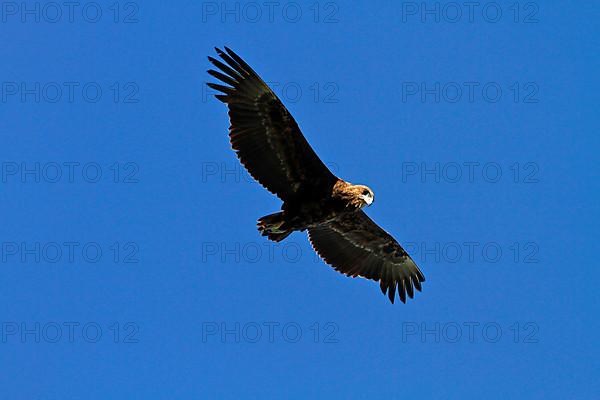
<point x="356" y="246"/>
<point x="263" y="133"/>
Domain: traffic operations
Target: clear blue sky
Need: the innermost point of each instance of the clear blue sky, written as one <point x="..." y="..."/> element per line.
<point x="131" y="266"/>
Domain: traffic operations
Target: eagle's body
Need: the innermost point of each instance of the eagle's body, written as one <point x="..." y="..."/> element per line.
<point x="271" y="146"/>
<point x="310" y="209"/>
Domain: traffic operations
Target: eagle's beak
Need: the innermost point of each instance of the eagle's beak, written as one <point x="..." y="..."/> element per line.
<point x="369" y="200"/>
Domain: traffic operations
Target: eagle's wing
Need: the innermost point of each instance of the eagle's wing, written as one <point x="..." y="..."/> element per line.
<point x="356" y="246"/>
<point x="263" y="133"/>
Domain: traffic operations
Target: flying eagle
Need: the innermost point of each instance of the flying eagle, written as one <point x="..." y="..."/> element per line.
<point x="272" y="148"/>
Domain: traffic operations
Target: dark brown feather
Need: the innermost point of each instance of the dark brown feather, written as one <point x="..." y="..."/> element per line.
<point x="354" y="238"/>
<point x="263" y="133"/>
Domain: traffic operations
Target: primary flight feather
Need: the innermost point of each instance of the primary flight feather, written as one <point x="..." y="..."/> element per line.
<point x="270" y="145"/>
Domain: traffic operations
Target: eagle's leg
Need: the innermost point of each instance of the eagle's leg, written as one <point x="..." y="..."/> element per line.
<point x="274" y="226"/>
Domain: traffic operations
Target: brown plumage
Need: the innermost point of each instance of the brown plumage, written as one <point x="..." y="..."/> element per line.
<point x="269" y="143"/>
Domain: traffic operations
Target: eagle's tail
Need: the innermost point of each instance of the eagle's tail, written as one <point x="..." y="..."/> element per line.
<point x="273" y="227"/>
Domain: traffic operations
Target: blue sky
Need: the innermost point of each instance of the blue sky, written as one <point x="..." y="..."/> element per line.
<point x="131" y="265"/>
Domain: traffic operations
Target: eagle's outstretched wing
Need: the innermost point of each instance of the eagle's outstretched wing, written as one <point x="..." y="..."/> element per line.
<point x="263" y="133"/>
<point x="356" y="246"/>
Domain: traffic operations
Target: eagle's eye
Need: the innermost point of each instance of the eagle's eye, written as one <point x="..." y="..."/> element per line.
<point x="365" y="192"/>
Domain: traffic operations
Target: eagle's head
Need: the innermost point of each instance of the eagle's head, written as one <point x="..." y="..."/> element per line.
<point x="364" y="195"/>
<point x="357" y="196"/>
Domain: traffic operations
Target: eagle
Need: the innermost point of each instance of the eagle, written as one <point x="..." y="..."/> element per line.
<point x="270" y="145"/>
